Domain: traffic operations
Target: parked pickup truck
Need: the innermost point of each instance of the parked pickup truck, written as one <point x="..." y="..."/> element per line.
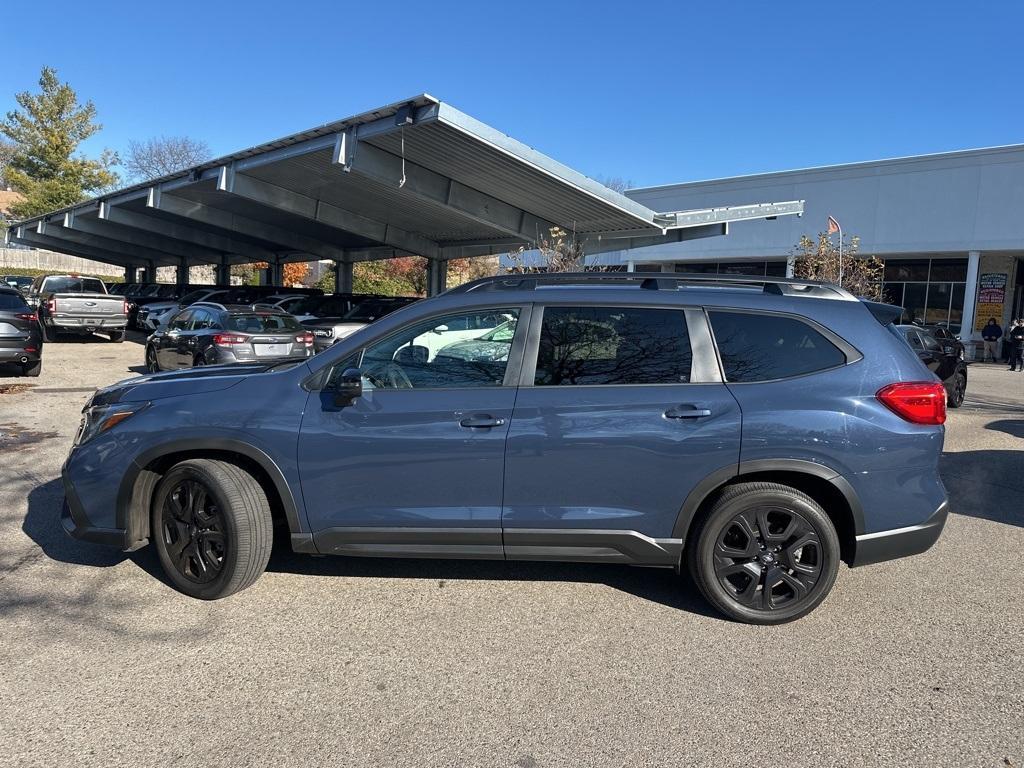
<point x="76" y="304"/>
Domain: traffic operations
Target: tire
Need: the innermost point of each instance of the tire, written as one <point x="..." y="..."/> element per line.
<point x="725" y="554"/>
<point x="152" y="364"/>
<point x="957" y="391"/>
<point x="116" y="336"/>
<point x="46" y="334"/>
<point x="32" y="369"/>
<point x="211" y="549"/>
<point x="198" y="361"/>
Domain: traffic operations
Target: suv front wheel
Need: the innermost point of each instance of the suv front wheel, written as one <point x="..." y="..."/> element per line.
<point x="764" y="554"/>
<point x="212" y="528"/>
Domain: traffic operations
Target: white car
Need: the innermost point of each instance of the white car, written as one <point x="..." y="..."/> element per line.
<point x="154" y="316"/>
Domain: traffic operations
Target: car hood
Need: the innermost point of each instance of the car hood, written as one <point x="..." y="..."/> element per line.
<point x="160" y="306"/>
<point x="477" y="349"/>
<point x="189" y="381"/>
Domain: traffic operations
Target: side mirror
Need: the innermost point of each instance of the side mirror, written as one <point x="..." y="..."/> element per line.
<point x="350" y="387"/>
<point x="440" y="329"/>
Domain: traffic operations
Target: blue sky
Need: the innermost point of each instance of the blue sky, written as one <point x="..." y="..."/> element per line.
<point x="651" y="92"/>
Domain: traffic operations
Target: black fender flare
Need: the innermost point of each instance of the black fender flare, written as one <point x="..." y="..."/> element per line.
<point x="135" y="491"/>
<point x="720" y="477"/>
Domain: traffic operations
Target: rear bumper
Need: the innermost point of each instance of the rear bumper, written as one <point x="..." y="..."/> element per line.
<point x="901" y="542"/>
<point x="70" y="324"/>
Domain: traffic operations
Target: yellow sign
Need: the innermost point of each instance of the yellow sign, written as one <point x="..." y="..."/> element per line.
<point x="984" y="312"/>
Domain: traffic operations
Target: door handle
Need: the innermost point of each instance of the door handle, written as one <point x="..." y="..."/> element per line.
<point x="686" y="412"/>
<point x="481" y="420"/>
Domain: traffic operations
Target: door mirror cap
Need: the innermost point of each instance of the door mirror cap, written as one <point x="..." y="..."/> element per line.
<point x="349" y="388"/>
<point x="440" y="329"/>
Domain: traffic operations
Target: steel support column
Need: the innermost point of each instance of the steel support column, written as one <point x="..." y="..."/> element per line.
<point x="182" y="272"/>
<point x="437" y="276"/>
<point x="150" y="272"/>
<point x="131" y="274"/>
<point x="967" y="331"/>
<point x="343" y="277"/>
<point x="276" y="272"/>
<point x="223" y="272"/>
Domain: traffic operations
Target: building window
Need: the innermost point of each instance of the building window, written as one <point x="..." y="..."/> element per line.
<point x="931" y="291"/>
<point x="752" y="268"/>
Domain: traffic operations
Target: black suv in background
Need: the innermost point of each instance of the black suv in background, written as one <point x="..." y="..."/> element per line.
<point x="21" y="339"/>
<point x="208" y="333"/>
<point x="942" y="358"/>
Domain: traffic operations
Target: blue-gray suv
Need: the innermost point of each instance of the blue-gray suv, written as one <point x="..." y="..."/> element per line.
<point x="756" y="431"/>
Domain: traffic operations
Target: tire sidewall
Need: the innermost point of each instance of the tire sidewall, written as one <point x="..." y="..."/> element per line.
<point x="721" y="515"/>
<point x="215" y="588"/>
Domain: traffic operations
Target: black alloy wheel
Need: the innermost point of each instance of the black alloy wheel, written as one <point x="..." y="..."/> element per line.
<point x="764" y="553"/>
<point x="958" y="391"/>
<point x="768" y="557"/>
<point x="193" y="531"/>
<point x="151" y="364"/>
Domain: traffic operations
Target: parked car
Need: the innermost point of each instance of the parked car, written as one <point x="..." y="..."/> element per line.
<point x="756" y="432"/>
<point x="77" y="305"/>
<point x="158" y="314"/>
<point x="210" y="334"/>
<point x="950" y="341"/>
<point x="21" y="339"/>
<point x="21" y="283"/>
<point x="329" y="330"/>
<point x="945" y="361"/>
<point x="158" y="293"/>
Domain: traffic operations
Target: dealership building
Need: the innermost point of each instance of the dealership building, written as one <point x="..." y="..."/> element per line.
<point x="949" y="227"/>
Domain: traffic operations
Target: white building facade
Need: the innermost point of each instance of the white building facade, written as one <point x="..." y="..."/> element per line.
<point x="949" y="227"/>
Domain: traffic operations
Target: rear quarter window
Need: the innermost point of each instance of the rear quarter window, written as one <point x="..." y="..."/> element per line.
<point x="12" y="301"/>
<point x="764" y="347"/>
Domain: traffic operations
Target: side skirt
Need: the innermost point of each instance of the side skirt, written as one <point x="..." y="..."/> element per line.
<point x="564" y="545"/>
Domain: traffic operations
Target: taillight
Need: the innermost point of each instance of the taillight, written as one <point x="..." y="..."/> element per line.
<point x="306" y="339"/>
<point x="29" y="316"/>
<point x="124" y="308"/>
<point x="227" y="339"/>
<point x="51" y="306"/>
<point x="919" y="402"/>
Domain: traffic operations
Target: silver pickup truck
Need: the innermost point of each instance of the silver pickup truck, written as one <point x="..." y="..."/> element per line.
<point x="76" y="304"/>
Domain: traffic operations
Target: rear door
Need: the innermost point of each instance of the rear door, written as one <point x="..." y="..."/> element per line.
<point x="167" y="347"/>
<point x="17" y="321"/>
<point x="616" y="421"/>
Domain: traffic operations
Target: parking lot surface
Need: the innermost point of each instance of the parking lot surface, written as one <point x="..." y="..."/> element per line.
<point x="338" y="661"/>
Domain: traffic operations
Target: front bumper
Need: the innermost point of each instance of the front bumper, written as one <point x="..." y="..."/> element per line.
<point x="78" y="526"/>
<point x="901" y="542"/>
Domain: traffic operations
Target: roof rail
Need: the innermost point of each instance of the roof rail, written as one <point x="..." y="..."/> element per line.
<point x="783" y="286"/>
<point x="214" y="304"/>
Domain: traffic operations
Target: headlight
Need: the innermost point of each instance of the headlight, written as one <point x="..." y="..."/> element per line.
<point x="97" y="419"/>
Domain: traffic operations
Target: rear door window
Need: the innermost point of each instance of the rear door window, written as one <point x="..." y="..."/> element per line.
<point x="764" y="347"/>
<point x="12" y="301"/>
<point x="612" y="345"/>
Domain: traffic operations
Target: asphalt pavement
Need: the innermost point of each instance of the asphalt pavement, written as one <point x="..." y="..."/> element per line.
<point x="352" y="662"/>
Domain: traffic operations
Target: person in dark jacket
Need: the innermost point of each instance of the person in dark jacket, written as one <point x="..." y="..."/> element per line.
<point x="991" y="334"/>
<point x="1016" y="337"/>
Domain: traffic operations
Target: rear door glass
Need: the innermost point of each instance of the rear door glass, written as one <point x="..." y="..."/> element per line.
<point x="764" y="347"/>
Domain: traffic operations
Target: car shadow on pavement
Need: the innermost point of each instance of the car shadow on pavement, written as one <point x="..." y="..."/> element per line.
<point x="659" y="585"/>
<point x="986" y="484"/>
<point x="42" y="525"/>
<point x="1013" y="427"/>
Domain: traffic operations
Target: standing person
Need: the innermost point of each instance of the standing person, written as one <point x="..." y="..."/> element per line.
<point x="991" y="334"/>
<point x="1016" y="335"/>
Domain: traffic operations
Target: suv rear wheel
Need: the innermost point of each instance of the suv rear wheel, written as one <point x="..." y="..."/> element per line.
<point x="765" y="553"/>
<point x="212" y="528"/>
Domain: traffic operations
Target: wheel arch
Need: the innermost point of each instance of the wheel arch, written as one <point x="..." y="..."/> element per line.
<point x="823" y="484"/>
<point x="135" y="494"/>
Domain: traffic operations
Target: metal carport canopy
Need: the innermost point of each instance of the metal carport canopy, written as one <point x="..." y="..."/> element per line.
<point x="417" y="177"/>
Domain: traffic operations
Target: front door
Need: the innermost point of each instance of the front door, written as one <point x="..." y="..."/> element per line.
<point x="168" y="343"/>
<point x="610" y="434"/>
<point x="415" y="466"/>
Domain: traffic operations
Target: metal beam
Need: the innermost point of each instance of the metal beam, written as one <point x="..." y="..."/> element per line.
<point x="383" y="167"/>
<point x="309" y="208"/>
<point x="141" y="221"/>
<point x="230" y="222"/>
<point x="594" y="246"/>
<point x="136" y="238"/>
<point x="32" y="237"/>
<point x="675" y="219"/>
<point x="116" y="247"/>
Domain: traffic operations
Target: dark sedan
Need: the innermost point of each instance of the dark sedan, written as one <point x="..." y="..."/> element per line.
<point x="942" y="360"/>
<point x="210" y="334"/>
<point x="21" y="340"/>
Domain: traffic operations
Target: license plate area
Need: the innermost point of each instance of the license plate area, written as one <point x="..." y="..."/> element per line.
<point x="271" y="350"/>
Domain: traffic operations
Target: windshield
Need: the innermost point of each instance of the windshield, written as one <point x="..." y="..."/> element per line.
<point x="73" y="285"/>
<point x="323" y="306"/>
<point x="194" y="296"/>
<point x="262" y="323"/>
<point x="503" y="332"/>
<point x="18" y="280"/>
<point x="166" y="291"/>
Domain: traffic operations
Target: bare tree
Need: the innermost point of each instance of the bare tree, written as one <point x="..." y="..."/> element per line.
<point x="559" y="251"/>
<point x="615" y="183"/>
<point x="164" y="155"/>
<point x="819" y="260"/>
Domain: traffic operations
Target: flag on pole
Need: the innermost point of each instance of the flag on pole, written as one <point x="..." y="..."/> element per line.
<point x="833" y="226"/>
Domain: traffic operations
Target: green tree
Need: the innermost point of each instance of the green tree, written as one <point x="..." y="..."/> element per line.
<point x="46" y="133"/>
